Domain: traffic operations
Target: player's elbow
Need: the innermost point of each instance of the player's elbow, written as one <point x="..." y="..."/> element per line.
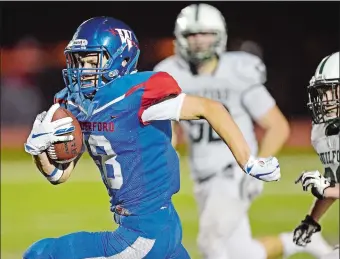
<point x="286" y="129"/>
<point x="275" y="121"/>
<point x="210" y="107"/>
<point x="282" y="128"/>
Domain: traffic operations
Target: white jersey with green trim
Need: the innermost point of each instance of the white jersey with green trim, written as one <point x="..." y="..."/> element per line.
<point x="327" y="147"/>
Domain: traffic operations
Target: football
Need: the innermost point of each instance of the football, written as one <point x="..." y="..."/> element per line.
<point x="67" y="151"/>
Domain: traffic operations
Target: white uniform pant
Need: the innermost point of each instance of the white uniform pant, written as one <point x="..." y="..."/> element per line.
<point x="224" y="229"/>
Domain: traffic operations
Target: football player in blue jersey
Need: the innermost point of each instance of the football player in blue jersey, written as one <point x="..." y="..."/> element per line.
<point x="126" y="117"/>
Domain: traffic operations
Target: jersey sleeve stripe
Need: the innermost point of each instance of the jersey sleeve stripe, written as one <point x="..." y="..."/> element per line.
<point x="133" y="89"/>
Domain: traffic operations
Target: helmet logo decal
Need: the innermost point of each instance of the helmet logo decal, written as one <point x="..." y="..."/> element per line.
<point x="323" y="64"/>
<point x="125" y="36"/>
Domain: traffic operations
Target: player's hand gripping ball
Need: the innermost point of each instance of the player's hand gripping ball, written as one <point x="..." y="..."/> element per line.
<point x="65" y="152"/>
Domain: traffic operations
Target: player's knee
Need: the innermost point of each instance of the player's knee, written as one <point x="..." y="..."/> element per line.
<point x="210" y="235"/>
<point x="39" y="250"/>
<point x="209" y="243"/>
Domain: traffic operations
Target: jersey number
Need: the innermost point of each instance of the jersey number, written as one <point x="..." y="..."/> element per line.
<point x="335" y="177"/>
<point x="200" y="129"/>
<point x="111" y="168"/>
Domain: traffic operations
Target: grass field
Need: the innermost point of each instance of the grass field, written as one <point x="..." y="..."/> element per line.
<point x="32" y="209"/>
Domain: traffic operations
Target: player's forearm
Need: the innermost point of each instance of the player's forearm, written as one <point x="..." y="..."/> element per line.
<point x="333" y="192"/>
<point x="320" y="207"/>
<point x="221" y="121"/>
<point x="273" y="140"/>
<point x="54" y="173"/>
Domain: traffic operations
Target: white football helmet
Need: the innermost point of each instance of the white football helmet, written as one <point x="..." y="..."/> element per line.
<point x="200" y="18"/>
<point x="323" y="90"/>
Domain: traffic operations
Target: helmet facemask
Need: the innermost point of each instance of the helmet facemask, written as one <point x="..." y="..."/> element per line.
<point x="324" y="100"/>
<point x="86" y="69"/>
<point x="102" y="69"/>
<point x="199" y="46"/>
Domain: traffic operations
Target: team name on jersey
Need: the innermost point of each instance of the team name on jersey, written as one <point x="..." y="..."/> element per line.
<point x="96" y="126"/>
<point x="330" y="157"/>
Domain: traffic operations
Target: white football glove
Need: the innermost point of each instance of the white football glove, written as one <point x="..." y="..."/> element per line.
<point x="316" y="181"/>
<point x="250" y="188"/>
<point x="265" y="169"/>
<point x="45" y="132"/>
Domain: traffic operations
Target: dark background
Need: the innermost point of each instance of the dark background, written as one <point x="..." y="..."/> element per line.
<point x="295" y="36"/>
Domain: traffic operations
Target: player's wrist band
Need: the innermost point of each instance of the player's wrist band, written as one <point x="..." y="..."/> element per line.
<point x="55" y="175"/>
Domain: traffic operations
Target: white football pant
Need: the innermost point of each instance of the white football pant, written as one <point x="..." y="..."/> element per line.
<point x="224" y="229"/>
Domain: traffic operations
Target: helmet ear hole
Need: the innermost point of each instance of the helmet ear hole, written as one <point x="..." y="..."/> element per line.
<point x="125" y="61"/>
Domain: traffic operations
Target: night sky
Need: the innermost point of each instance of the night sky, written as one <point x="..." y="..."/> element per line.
<point x="261" y="21"/>
<point x="295" y="36"/>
